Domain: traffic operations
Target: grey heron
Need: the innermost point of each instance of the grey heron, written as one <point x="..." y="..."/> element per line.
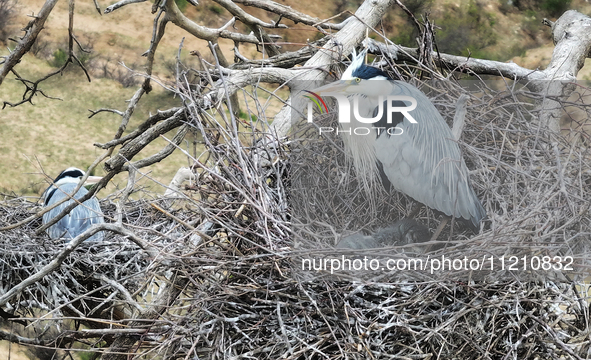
<point x="420" y="159"/>
<point x="82" y="216"/>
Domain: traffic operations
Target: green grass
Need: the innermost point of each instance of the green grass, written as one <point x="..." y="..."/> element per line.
<point x="181" y="4"/>
<point x="216" y="9"/>
<point x="466" y="31"/>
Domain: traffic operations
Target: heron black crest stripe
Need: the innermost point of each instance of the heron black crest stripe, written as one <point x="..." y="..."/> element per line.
<point x="68" y="173"/>
<point x="49" y="196"/>
<point x="74" y="173"/>
<point x="369" y="72"/>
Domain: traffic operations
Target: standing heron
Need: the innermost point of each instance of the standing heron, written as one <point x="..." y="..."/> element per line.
<point x="419" y="159"/>
<point x="82" y="216"/>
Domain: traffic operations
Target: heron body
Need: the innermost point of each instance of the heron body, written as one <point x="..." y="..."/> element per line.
<point x="81" y="217"/>
<point x="422" y="159"/>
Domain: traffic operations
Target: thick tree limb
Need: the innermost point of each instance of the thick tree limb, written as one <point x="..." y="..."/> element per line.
<point x="573" y="45"/>
<point x="129" y="150"/>
<point x="4" y="335"/>
<point x="456" y="63"/>
<point x="255" y="24"/>
<point x="246" y="17"/>
<point x="237" y="79"/>
<point x="159" y="116"/>
<point x="284" y="60"/>
<point x="179" y="19"/>
<point x="342" y="44"/>
<point x="162" y="154"/>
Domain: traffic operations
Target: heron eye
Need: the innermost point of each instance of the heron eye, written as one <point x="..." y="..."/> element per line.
<point x="357" y="80"/>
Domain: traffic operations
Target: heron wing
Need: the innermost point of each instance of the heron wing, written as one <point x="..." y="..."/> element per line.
<point x="426" y="163"/>
<point x="78" y="220"/>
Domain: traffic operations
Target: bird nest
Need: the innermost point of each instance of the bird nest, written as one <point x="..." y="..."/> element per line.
<point x="534" y="185"/>
<point x="219" y="275"/>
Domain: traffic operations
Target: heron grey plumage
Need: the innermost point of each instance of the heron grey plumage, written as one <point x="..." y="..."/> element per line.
<point x="81" y="217"/>
<point x="423" y="162"/>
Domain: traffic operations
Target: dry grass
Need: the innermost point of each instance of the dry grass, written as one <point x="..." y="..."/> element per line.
<point x="55" y="134"/>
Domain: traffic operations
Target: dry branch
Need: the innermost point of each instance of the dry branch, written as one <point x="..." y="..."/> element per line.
<point x="121" y="3"/>
<point x="174" y="15"/>
<point x="32" y="30"/>
<point x="573" y="46"/>
<point x="289" y="13"/>
<point x="230" y="284"/>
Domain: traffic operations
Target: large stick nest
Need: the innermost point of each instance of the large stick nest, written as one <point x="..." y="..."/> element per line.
<point x="232" y="252"/>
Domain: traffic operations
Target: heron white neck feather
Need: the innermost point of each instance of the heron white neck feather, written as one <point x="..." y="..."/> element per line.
<point x="362" y="151"/>
<point x="67" y="180"/>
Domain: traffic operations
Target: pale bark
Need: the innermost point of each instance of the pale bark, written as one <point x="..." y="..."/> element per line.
<point x="342" y="44"/>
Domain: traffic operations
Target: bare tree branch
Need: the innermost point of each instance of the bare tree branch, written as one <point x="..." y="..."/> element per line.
<point x="57" y="261"/>
<point x="289" y="13"/>
<point x="130" y="149"/>
<point x="246" y="17"/>
<point x="254" y="24"/>
<point x="228" y="245"/>
<point x="121" y="3"/>
<point x="17" y="339"/>
<point x="166" y="296"/>
<point x="284" y="60"/>
<point x="32" y="30"/>
<point x="24" y="45"/>
<point x="179" y="19"/>
<point x="159" y="116"/>
<point x="162" y="154"/>
<point x="457" y="63"/>
<point x="573" y="46"/>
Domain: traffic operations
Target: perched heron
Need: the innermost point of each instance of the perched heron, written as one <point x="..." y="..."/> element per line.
<point x="419" y="159"/>
<point x="82" y="216"/>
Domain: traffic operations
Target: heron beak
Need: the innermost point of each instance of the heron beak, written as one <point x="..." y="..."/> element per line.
<point x="337" y="87"/>
<point x="92" y="180"/>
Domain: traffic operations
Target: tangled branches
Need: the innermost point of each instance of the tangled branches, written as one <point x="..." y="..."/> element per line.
<point x="223" y="276"/>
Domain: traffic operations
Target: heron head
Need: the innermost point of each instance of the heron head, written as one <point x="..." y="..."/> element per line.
<point x="74" y="175"/>
<point x="71" y="175"/>
<point x="358" y="79"/>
